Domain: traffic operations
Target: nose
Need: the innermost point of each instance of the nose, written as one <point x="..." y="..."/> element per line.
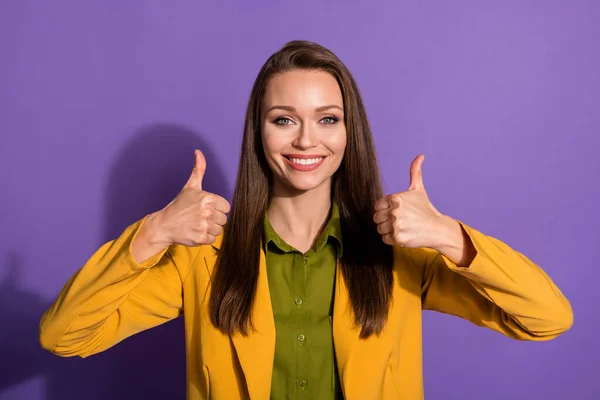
<point x="306" y="138"/>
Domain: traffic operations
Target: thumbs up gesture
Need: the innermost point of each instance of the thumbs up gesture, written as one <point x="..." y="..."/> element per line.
<point x="195" y="217"/>
<point x="408" y="218"/>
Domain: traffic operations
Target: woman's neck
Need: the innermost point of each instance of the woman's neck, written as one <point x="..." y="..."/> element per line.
<point x="298" y="218"/>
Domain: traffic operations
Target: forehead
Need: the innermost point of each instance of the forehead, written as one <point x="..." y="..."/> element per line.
<point x="303" y="88"/>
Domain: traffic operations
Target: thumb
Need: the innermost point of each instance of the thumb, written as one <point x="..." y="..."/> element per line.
<point x="197" y="175"/>
<point x="416" y="173"/>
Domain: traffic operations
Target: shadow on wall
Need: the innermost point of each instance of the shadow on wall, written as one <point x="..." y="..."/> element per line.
<point x="147" y="174"/>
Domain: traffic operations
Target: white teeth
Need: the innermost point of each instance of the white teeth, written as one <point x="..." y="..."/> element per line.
<point x="306" y="161"/>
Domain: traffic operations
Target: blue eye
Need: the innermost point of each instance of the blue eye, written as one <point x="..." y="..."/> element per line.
<point x="329" y="120"/>
<point x="283" y="121"/>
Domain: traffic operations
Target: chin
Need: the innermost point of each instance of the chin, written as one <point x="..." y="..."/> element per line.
<point x="305" y="185"/>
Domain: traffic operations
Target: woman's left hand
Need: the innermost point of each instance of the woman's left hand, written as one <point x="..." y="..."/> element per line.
<point x="408" y="218"/>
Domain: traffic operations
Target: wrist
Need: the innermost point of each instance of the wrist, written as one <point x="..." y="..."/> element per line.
<point x="156" y="231"/>
<point x="455" y="243"/>
<point x="449" y="234"/>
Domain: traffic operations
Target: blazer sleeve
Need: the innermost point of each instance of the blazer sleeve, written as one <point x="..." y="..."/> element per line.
<point x="113" y="297"/>
<point x="501" y="289"/>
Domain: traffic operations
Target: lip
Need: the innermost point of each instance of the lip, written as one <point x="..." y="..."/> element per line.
<point x="299" y="167"/>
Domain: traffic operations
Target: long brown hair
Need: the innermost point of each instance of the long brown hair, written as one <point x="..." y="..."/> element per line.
<point x="367" y="262"/>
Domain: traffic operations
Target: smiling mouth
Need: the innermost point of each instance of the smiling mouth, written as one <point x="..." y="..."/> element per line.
<point x="305" y="161"/>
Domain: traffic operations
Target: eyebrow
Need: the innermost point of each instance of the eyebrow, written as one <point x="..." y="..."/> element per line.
<point x="318" y="109"/>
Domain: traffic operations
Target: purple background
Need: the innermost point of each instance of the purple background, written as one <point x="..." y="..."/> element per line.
<point x="102" y="104"/>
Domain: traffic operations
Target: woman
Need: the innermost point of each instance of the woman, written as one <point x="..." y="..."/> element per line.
<point x="314" y="288"/>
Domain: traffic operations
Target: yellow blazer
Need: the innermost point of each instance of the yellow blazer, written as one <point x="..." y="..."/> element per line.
<point x="112" y="297"/>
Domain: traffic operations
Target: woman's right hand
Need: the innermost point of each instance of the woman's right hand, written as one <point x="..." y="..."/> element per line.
<point x="195" y="217"/>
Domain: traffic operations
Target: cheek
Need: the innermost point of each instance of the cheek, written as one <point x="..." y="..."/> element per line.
<point x="337" y="142"/>
<point x="272" y="144"/>
<point x="269" y="142"/>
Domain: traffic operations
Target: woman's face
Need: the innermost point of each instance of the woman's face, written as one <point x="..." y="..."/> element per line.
<point x="302" y="129"/>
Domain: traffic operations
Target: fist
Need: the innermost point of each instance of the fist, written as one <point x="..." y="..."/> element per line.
<point x="408" y="219"/>
<point x="195" y="217"/>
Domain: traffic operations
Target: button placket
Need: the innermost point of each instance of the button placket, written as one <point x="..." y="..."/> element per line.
<point x="301" y="316"/>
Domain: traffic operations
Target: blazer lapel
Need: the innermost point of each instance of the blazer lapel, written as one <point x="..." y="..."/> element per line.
<point x="256" y="351"/>
<point x="345" y="334"/>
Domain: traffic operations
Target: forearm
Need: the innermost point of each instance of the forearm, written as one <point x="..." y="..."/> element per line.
<point x="517" y="288"/>
<point x="77" y="321"/>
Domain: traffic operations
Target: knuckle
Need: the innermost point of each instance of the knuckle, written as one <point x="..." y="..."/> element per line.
<point x="396" y="198"/>
<point x="207" y="198"/>
<point x="398" y="237"/>
<point x="202" y="226"/>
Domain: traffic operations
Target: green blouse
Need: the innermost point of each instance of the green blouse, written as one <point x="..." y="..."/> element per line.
<point x="301" y="288"/>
